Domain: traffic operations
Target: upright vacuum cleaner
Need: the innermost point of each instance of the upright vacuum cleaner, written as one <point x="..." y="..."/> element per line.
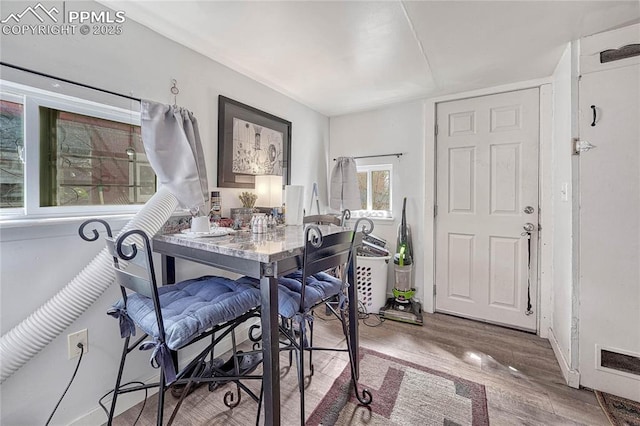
<point x="402" y="307"/>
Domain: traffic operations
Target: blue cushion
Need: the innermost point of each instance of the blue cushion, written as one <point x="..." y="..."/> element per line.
<point x="319" y="287"/>
<point x="191" y="307"/>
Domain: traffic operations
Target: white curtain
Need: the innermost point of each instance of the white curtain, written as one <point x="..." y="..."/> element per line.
<point x="174" y="150"/>
<point x="344" y="192"/>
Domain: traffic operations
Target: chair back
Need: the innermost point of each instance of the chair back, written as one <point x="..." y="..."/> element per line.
<point x="322" y="219"/>
<point x="137" y="273"/>
<point x="324" y="252"/>
<point x="138" y="281"/>
<point x="327" y="219"/>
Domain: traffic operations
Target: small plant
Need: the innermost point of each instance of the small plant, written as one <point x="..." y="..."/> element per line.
<point x="248" y="199"/>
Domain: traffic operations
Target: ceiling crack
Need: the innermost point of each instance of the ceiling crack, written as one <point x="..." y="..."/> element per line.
<point x="415" y="36"/>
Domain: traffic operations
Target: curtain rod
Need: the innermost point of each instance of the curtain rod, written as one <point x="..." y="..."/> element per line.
<point x="69" y="81"/>
<point x="396" y="154"/>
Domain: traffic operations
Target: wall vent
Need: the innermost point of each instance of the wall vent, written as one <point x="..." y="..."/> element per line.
<point x="628" y="51"/>
<point x="620" y="362"/>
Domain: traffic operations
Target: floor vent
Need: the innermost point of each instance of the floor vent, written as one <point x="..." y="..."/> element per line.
<point x="620" y="362"/>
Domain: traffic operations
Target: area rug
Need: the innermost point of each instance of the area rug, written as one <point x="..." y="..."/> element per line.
<point x="620" y="411"/>
<point x="404" y="394"/>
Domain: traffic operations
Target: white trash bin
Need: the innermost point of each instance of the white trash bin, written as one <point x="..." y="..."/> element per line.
<point x="371" y="276"/>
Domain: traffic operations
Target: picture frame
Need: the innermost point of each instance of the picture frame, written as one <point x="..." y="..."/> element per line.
<point x="251" y="142"/>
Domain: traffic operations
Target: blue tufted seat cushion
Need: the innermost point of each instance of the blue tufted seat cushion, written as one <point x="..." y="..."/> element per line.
<point x="319" y="286"/>
<point x="190" y="307"/>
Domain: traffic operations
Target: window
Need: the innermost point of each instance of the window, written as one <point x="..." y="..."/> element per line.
<point x="11" y="152"/>
<point x="81" y="157"/>
<point x="90" y="161"/>
<point x="375" y="190"/>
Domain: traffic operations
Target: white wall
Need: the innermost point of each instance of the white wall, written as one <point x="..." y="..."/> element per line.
<point x="562" y="208"/>
<point x="408" y="128"/>
<point x="38" y="260"/>
<point x="398" y="128"/>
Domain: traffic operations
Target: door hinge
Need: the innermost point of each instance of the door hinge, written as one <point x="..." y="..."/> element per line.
<point x="436" y="130"/>
<point x="435" y="210"/>
<point x="434" y="289"/>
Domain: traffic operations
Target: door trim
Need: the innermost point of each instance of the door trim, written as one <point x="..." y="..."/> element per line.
<point x="544" y="275"/>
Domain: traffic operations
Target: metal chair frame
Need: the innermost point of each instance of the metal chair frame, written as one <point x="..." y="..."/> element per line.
<point x="147" y="286"/>
<point x="328" y="219"/>
<point x="322" y="253"/>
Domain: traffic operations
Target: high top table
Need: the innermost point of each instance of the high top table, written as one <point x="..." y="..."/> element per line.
<point x="265" y="257"/>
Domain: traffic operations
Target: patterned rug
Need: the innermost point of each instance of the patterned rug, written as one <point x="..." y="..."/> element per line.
<point x="620" y="411"/>
<point x="403" y="394"/>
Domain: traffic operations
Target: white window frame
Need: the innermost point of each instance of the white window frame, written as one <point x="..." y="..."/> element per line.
<point x="369" y="212"/>
<point x="32" y="99"/>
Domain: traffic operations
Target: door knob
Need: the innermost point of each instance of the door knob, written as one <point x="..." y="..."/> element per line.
<point x="529" y="209"/>
<point x="529" y="227"/>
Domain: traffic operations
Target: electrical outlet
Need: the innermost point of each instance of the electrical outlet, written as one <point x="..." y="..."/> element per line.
<point x="73" y="339"/>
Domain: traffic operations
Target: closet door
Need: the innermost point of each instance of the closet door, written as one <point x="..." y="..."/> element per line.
<point x="610" y="232"/>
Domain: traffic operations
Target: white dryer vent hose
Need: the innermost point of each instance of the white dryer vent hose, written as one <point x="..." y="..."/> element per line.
<point x="26" y="339"/>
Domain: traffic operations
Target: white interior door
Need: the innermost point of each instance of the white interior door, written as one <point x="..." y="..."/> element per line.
<point x="487" y="190"/>
<point x="610" y="232"/>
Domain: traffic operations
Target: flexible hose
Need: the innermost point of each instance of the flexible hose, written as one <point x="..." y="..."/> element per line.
<point x="26" y="339"/>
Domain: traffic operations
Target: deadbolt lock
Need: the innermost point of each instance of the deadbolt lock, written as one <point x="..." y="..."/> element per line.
<point x="529" y="210"/>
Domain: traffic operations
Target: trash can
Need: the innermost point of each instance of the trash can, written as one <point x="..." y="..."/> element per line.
<point x="371" y="277"/>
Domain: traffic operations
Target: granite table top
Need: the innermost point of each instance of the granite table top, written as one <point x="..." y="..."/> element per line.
<point x="275" y="245"/>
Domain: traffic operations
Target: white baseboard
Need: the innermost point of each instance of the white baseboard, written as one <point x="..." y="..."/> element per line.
<point x="98" y="417"/>
<point x="571" y="377"/>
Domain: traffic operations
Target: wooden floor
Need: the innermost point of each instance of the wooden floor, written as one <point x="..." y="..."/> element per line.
<point x="523" y="381"/>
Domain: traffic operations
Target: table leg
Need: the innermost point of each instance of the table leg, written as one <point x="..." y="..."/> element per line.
<point x="168" y="269"/>
<point x="169" y="277"/>
<point x="270" y="350"/>
<point x="353" y="321"/>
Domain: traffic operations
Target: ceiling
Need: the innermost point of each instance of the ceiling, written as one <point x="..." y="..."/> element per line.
<point x="339" y="57"/>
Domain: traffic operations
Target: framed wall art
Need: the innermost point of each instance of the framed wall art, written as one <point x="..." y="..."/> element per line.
<point x="250" y="143"/>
